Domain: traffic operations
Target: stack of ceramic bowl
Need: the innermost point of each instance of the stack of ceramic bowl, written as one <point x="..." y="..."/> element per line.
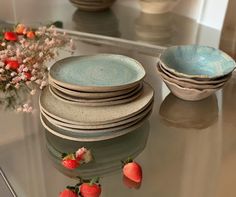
<point x="96" y="97"/>
<point x="194" y="72"/>
<point x="92" y="5"/>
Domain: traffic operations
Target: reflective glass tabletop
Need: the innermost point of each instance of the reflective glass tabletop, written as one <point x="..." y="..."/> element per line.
<point x="185" y="148"/>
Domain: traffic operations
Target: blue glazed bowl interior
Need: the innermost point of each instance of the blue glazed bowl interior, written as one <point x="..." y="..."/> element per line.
<point x="198" y="61"/>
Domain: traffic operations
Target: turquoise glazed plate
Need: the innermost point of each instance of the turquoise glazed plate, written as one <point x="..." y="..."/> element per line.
<point x="201" y="62"/>
<point x="97" y="73"/>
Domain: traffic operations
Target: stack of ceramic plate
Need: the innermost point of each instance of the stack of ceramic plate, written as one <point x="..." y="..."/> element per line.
<point x="95" y="97"/>
<point x="92" y="5"/>
<point x="194" y="72"/>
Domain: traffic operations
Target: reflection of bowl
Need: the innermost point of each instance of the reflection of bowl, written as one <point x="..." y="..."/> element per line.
<point x="92" y="5"/>
<point x="198" y="62"/>
<point x="154" y="28"/>
<point x="183" y="114"/>
<point x="103" y="23"/>
<point x="157" y="6"/>
<point x="107" y="154"/>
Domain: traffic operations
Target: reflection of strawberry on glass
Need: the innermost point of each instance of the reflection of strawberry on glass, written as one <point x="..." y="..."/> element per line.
<point x="91" y="189"/>
<point x="132" y="172"/>
<point x="85" y="188"/>
<point x="131" y="184"/>
<point x="74" y="160"/>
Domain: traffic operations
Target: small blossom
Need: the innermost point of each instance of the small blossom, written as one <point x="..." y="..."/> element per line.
<point x="41" y="54"/>
<point x="2" y="70"/>
<point x="19" y="109"/>
<point x="33" y="79"/>
<point x="25" y="69"/>
<point x="13" y="74"/>
<point x="17" y="86"/>
<point x="7" y="86"/>
<point x="32" y="92"/>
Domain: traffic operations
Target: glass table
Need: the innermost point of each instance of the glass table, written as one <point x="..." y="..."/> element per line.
<point x="185" y="148"/>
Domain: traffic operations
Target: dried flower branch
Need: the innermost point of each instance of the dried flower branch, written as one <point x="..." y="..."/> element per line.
<point x="23" y="56"/>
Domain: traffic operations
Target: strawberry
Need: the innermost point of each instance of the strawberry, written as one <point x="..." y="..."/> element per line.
<point x="91" y="189"/>
<point x="133" y="171"/>
<point x="20" y="29"/>
<point x="30" y="35"/>
<point x="83" y="155"/>
<point x="10" y="36"/>
<point x="68" y="193"/>
<point x="13" y="64"/>
<point x="70" y="162"/>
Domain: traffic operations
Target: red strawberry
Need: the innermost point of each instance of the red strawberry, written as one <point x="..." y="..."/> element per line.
<point x="133" y="171"/>
<point x="70" y="162"/>
<point x="30" y="35"/>
<point x="131" y="184"/>
<point x="10" y="36"/>
<point x="20" y="29"/>
<point x="13" y="64"/>
<point x="68" y="193"/>
<point x="91" y="189"/>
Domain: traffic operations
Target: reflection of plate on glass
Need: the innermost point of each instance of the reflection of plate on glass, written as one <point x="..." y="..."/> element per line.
<point x="107" y="154"/>
<point x="97" y="73"/>
<point x="103" y="23"/>
<point x="185" y="114"/>
<point x="92" y="5"/>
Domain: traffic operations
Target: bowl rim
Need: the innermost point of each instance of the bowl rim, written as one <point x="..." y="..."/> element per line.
<point x="202" y="77"/>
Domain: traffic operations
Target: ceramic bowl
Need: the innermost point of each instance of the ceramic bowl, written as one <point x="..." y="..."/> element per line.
<point x="157" y="6"/>
<point x="188" y="84"/>
<point x="189" y="94"/>
<point x="197" y="62"/>
<point x="193" y="81"/>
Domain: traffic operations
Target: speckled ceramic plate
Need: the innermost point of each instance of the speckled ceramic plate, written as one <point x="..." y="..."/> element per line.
<point x="102" y="126"/>
<point x="95" y="103"/>
<point x="97" y="73"/>
<point x="82" y="100"/>
<point x="84" y="115"/>
<point x="96" y="136"/>
<point x="92" y="95"/>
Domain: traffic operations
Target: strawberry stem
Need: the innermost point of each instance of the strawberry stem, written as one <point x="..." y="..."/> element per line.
<point x="94" y="181"/>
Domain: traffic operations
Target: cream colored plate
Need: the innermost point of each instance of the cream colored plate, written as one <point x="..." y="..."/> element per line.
<point x="126" y="121"/>
<point x="76" y="114"/>
<point x="56" y="92"/>
<point x="91" y="95"/>
<point x="95" y="103"/>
